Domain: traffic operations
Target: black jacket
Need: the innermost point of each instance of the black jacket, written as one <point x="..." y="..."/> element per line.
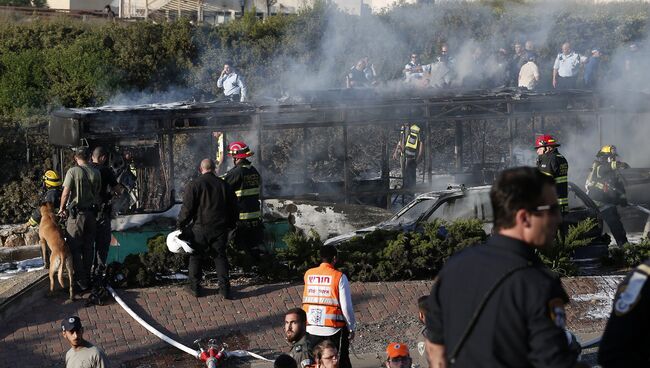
<point x="554" y="164"/>
<point x="522" y="323"/>
<point x="208" y="203"/>
<point x="245" y="180"/>
<point x="52" y="195"/>
<point x="627" y="335"/>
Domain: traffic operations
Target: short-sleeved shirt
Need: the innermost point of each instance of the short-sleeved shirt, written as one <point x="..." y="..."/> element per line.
<point x="567" y="65"/>
<point x="522" y="324"/>
<point x="87" y="356"/>
<point x="85" y="186"/>
<point x="529" y="75"/>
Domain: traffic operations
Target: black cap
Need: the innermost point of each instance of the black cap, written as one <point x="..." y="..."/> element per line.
<point x="72" y="323"/>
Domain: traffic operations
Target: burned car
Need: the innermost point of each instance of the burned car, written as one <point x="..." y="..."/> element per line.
<point x="460" y="202"/>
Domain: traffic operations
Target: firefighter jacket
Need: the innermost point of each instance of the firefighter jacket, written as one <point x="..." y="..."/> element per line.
<point x="604" y="183"/>
<point x="53" y="195"/>
<point x="411" y="140"/>
<point x="208" y="203"/>
<point x="246" y="182"/>
<point x="320" y="297"/>
<point x="554" y="164"/>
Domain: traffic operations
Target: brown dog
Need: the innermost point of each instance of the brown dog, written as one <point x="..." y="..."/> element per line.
<point x="51" y="235"/>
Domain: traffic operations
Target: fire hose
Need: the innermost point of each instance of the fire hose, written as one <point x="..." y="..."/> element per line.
<point x="167" y="339"/>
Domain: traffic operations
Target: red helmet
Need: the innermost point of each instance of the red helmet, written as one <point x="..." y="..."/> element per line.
<point x="545" y="141"/>
<point x="239" y="150"/>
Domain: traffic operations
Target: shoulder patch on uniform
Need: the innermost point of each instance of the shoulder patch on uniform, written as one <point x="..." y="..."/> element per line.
<point x="305" y="363"/>
<point x="421" y="348"/>
<point x="557" y="313"/>
<point x="630" y="293"/>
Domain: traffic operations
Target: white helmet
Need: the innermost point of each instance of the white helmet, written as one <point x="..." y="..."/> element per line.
<point x="176" y="245"/>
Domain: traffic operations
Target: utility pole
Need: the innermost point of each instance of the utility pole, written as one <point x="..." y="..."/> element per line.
<point x="146" y="9"/>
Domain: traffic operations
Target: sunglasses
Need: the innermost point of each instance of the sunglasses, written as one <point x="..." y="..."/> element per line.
<point x="555" y="207"/>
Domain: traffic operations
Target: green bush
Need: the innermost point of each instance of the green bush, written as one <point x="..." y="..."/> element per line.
<point x="558" y="258"/>
<point x="630" y="254"/>
<point x="389" y="255"/>
<point x="145" y="269"/>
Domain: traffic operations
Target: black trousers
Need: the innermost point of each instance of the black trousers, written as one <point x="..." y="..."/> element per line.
<point x="566" y="82"/>
<point x="209" y="243"/>
<point x="249" y="237"/>
<point x="81" y="238"/>
<point x="340" y="340"/>
<point x="102" y="242"/>
<point x="613" y="220"/>
<point x="234" y="98"/>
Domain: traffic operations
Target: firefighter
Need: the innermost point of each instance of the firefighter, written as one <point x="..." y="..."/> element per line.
<point x="551" y="162"/>
<point x="605" y="187"/>
<point x="52" y="185"/>
<point x="410" y="150"/>
<point x="246" y="181"/>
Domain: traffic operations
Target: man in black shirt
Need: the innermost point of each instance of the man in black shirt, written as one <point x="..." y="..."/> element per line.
<point x="626" y="337"/>
<point x="209" y="212"/>
<point x="103" y="227"/>
<point x="496" y="304"/>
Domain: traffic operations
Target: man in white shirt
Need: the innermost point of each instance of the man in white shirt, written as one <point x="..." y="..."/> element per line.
<point x="232" y="83"/>
<point x="327" y="301"/>
<point x="566" y="68"/>
<point x="529" y="74"/>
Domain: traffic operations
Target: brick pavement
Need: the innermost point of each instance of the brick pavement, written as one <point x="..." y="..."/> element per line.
<point x="32" y="338"/>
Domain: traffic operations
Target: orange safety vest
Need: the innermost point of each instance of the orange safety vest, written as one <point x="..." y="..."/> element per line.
<point x="320" y="297"/>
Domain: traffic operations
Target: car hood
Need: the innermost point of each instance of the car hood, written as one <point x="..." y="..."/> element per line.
<point x="367" y="230"/>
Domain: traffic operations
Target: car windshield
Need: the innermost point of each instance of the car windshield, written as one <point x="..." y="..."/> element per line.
<point x="413" y="212"/>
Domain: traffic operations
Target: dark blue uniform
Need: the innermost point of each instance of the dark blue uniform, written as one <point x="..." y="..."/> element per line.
<point x="522" y="324"/>
<point x="627" y="335"/>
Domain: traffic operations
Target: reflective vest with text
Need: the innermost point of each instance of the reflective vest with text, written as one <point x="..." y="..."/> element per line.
<point x="320" y="297"/>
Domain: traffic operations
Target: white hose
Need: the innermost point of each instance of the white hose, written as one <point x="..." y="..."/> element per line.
<point x="165" y="338"/>
<point x="591" y="343"/>
<point x="244" y="353"/>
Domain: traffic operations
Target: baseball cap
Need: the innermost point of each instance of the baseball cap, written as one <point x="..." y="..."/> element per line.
<point x="397" y="349"/>
<point x="71" y="324"/>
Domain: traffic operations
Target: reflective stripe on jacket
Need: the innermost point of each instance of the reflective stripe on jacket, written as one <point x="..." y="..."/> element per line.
<point x="245" y="180"/>
<point x="320" y="297"/>
<point x="554" y="164"/>
<point x="412" y="141"/>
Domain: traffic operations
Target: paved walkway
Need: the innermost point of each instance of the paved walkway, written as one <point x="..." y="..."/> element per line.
<point x="253" y="321"/>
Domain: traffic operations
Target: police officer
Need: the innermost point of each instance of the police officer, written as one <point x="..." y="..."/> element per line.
<point x="295" y="322"/>
<point x="410" y="150"/>
<point x="605" y="186"/>
<point x="246" y="181"/>
<point x="551" y="162"/>
<point x="627" y="334"/>
<point x="108" y="189"/>
<point x="79" y="203"/>
<point x="208" y="214"/>
<point x="497" y="305"/>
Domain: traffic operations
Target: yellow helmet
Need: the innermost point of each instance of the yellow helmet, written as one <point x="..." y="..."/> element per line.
<point x="52" y="178"/>
<point x="414" y="128"/>
<point x="608" y="149"/>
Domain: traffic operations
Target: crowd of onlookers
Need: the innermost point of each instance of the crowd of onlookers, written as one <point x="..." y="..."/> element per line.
<point x="521" y="66"/>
